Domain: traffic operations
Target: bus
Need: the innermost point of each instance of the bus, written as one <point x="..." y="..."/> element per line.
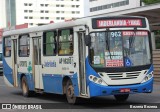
<point x="86" y="57"/>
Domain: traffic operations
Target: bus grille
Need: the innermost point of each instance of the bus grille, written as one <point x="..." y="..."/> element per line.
<point x="121" y="76"/>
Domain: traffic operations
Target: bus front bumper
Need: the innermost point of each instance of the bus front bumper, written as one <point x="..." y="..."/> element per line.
<point x="99" y="90"/>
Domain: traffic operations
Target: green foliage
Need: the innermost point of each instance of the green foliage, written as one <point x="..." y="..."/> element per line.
<point x="157" y="43"/>
<point x="151" y="1"/>
<point x="157" y="32"/>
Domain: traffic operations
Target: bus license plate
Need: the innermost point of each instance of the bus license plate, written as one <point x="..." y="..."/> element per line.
<point x="125" y="90"/>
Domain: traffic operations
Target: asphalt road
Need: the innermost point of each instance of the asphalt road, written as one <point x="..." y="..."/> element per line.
<point x="98" y="104"/>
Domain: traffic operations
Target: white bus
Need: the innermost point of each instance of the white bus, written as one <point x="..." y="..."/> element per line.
<point x="87" y="57"/>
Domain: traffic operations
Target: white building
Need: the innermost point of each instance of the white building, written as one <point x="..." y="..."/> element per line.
<point x="107" y="6"/>
<point x="36" y="12"/>
<point x="2" y="14"/>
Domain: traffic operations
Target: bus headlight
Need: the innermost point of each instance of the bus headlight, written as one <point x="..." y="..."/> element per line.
<point x="97" y="80"/>
<point x="147" y="77"/>
<point x="100" y="81"/>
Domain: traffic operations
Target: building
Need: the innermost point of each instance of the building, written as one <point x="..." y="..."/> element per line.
<point x="2" y="14"/>
<point x="106" y="6"/>
<point x="39" y="12"/>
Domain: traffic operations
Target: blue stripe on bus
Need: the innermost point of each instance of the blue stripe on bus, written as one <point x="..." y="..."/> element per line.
<point x="7" y="71"/>
<point x="52" y="83"/>
<point x="30" y="81"/>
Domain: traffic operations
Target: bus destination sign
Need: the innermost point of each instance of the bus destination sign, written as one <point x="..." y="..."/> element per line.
<point x="121" y="22"/>
<point x="114" y="23"/>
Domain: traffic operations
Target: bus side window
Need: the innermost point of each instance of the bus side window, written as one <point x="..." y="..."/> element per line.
<point x="7" y="46"/>
<point x="65" y="42"/>
<point x="50" y="43"/>
<point x="24" y="46"/>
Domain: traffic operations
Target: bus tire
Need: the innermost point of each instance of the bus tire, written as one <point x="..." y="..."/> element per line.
<point x="121" y="97"/>
<point x="25" y="88"/>
<point x="71" y="98"/>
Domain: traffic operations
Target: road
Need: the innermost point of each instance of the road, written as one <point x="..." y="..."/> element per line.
<point x="14" y="95"/>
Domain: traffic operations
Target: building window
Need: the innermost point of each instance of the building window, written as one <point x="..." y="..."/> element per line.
<point x="30" y="24"/>
<point x="30" y="11"/>
<point x="25" y="4"/>
<point x="42" y="17"/>
<point x="25" y="17"/>
<point x="41" y="5"/>
<point x="57" y="5"/>
<point x="62" y="5"/>
<point x="112" y="5"/>
<point x="57" y="11"/>
<point x="46" y="11"/>
<point x="7" y="46"/>
<point x="73" y="12"/>
<point x="49" y="43"/>
<point x="62" y="18"/>
<point x="73" y="5"/>
<point x="30" y="4"/>
<point x="24" y="46"/>
<point x="46" y="5"/>
<point x="30" y="17"/>
<point x="42" y="11"/>
<point x="57" y="18"/>
<point x="62" y="11"/>
<point x="65" y="42"/>
<point x="46" y="17"/>
<point x="77" y="6"/>
<point x="25" y="10"/>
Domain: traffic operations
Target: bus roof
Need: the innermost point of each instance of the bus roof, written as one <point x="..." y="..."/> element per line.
<point x="51" y="26"/>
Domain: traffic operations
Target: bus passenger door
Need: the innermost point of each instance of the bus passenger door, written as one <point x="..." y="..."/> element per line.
<point x="37" y="61"/>
<point x="14" y="60"/>
<point x="81" y="50"/>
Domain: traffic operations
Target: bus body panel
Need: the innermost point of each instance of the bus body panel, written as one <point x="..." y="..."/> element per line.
<point x="7" y="71"/>
<point x="146" y="87"/>
<point x="53" y="83"/>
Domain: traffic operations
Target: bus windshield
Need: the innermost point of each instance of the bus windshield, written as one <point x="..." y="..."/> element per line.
<point x="120" y="49"/>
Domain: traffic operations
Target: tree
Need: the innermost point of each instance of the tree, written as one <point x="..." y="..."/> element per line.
<point x="147" y="2"/>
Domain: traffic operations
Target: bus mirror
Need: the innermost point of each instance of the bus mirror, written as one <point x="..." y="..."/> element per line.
<point x="87" y="40"/>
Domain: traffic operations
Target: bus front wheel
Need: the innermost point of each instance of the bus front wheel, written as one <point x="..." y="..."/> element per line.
<point x="121" y="98"/>
<point x="71" y="98"/>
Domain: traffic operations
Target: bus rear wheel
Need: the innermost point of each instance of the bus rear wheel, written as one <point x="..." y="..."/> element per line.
<point x="25" y="88"/>
<point x="121" y="98"/>
<point x="71" y="98"/>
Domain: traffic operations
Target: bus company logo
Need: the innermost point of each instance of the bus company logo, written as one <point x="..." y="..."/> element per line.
<point x="6" y="106"/>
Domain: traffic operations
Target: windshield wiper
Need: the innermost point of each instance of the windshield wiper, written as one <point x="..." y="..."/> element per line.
<point x="131" y="40"/>
<point x="107" y="45"/>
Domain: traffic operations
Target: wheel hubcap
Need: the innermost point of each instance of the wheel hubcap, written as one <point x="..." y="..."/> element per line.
<point x="70" y="92"/>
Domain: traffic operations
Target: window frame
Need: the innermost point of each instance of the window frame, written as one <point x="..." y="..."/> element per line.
<point x="56" y="45"/>
<point x="28" y="54"/>
<point x="59" y="34"/>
